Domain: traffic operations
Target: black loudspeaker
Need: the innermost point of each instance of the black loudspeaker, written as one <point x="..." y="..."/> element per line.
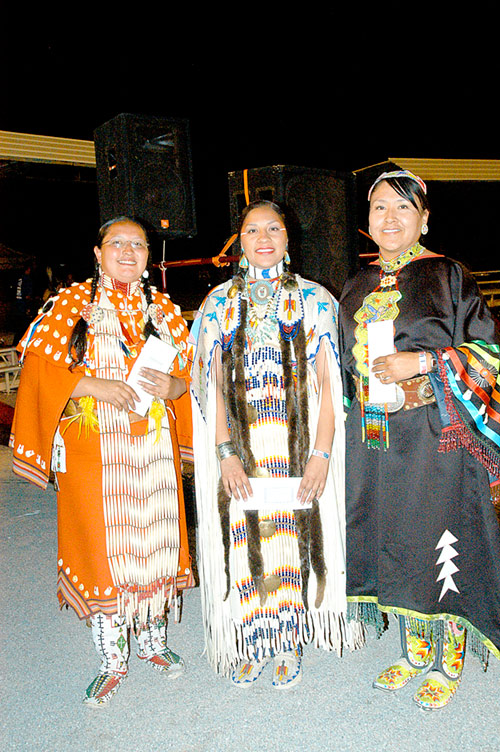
<point x="321" y="208"/>
<point x="144" y="170"/>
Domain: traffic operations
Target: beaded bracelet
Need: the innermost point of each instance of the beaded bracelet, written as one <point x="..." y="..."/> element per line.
<point x="319" y="453"/>
<point x="224" y="450"/>
<point x="422" y="361"/>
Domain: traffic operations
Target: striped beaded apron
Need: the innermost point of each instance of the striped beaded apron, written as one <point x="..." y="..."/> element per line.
<point x="139" y="486"/>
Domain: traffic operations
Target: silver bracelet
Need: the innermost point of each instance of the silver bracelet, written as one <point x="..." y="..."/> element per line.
<point x="224" y="450"/>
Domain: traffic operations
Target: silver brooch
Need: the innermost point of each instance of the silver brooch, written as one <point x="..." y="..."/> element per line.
<point x="261" y="291"/>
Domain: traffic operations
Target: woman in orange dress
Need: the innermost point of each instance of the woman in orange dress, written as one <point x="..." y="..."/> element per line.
<point x="122" y="543"/>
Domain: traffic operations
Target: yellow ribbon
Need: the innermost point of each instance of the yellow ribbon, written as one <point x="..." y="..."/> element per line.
<point x="156" y="412"/>
<point x="86" y="418"/>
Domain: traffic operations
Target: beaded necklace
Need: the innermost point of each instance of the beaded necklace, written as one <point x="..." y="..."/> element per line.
<point x="126" y="288"/>
<point x="261" y="288"/>
<point x="379" y="305"/>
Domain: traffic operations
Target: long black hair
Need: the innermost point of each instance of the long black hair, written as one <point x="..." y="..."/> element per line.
<point x="78" y="341"/>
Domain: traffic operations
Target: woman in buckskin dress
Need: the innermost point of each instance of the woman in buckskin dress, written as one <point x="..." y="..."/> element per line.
<point x="266" y="395"/>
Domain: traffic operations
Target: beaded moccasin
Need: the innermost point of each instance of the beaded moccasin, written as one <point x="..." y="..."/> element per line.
<point x="167" y="662"/>
<point x="103" y="688"/>
<point x="247" y="672"/>
<point x="287" y="669"/>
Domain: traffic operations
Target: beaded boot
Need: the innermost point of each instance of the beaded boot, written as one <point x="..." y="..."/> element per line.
<point x="417" y="657"/>
<point x="442" y="682"/>
<point x="153" y="648"/>
<point x="110" y="635"/>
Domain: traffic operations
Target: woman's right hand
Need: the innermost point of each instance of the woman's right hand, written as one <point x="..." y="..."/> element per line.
<point x="117" y="393"/>
<point x="234" y="478"/>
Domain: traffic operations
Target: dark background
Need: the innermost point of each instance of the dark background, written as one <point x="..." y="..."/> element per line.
<point x="327" y="86"/>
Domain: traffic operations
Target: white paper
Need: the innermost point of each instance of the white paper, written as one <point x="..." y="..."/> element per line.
<point x="274" y="493"/>
<point x="155" y="354"/>
<point x="380" y="342"/>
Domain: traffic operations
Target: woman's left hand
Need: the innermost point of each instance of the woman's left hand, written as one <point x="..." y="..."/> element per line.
<point x="396" y="367"/>
<point x="313" y="481"/>
<point x="162" y="385"/>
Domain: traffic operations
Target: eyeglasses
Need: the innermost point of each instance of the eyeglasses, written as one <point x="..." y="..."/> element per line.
<point x="120" y="245"/>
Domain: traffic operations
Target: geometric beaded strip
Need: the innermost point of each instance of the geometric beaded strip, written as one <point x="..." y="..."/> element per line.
<point x="140" y="492"/>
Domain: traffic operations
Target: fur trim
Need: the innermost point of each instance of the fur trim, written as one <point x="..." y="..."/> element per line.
<point x="316" y="553"/>
<point x="297" y="416"/>
<point x="308" y="521"/>
<point x="223" y="501"/>
<point x="237" y="407"/>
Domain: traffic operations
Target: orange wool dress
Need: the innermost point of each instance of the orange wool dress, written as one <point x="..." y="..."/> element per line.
<point x="122" y="538"/>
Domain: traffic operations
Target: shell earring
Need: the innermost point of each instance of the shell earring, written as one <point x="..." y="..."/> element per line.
<point x="287" y="258"/>
<point x="425" y="229"/>
<point x="243" y="262"/>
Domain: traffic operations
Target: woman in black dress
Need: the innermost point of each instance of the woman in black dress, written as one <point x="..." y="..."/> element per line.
<point x="423" y="540"/>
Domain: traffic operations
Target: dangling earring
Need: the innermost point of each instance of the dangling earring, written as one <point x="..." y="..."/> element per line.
<point x="145" y="274"/>
<point x="287" y="258"/>
<point x="243" y="262"/>
<point x="425" y="229"/>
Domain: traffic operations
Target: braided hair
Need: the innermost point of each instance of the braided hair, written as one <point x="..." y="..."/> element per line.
<point x="78" y="340"/>
<point x="149" y="327"/>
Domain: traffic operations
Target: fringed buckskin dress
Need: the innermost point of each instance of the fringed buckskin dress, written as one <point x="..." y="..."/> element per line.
<point x="266" y="591"/>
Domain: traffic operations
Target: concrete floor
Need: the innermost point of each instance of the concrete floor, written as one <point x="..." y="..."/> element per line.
<point x="47" y="659"/>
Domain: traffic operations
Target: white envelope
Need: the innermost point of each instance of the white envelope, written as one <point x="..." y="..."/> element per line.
<point x="380" y="342"/>
<point x="270" y="494"/>
<point x="155" y="354"/>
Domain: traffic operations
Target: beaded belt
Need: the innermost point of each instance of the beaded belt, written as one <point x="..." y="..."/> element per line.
<point x="410" y="393"/>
